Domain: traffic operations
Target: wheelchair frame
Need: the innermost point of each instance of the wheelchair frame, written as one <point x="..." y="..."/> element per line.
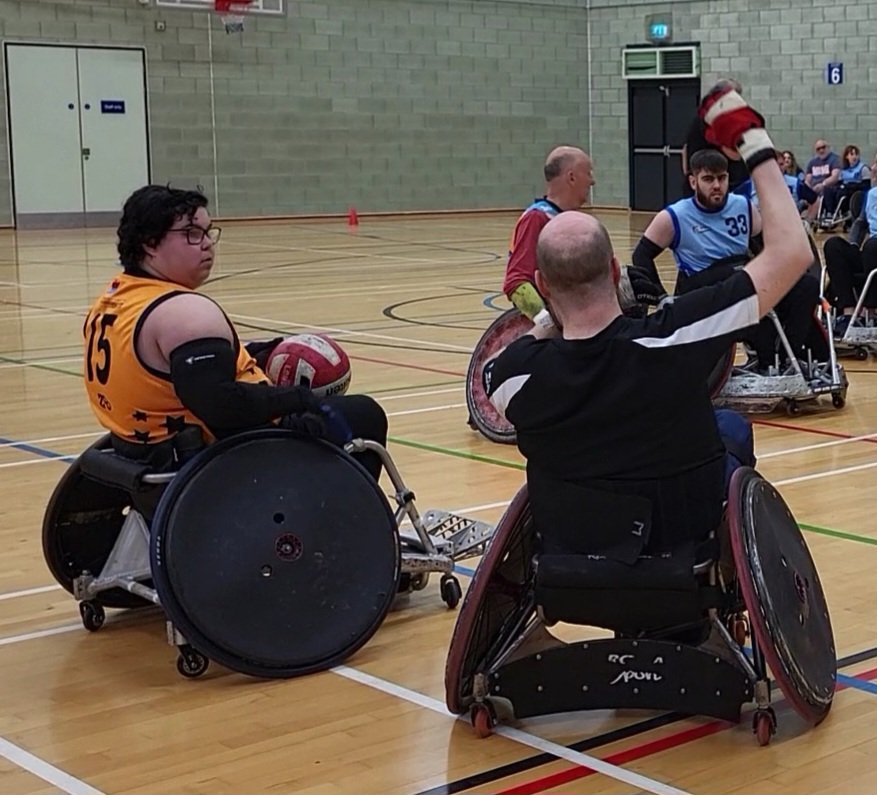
<point x="504" y="664"/>
<point x="124" y="579"/>
<point x="860" y="336"/>
<point x="798" y="381"/>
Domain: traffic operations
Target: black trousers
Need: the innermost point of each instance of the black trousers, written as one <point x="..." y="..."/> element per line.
<point x="848" y="267"/>
<point x="795" y="313"/>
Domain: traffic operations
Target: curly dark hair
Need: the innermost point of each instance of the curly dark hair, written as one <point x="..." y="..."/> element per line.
<point x="147" y="216"/>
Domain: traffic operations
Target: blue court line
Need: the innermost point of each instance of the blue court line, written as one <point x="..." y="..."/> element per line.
<point x="488" y="302"/>
<point x="41" y="451"/>
<point x="858" y="684"/>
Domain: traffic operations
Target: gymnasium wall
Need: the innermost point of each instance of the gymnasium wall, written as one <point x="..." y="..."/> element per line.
<point x="439" y="104"/>
<point x="779" y="50"/>
<point x="381" y="104"/>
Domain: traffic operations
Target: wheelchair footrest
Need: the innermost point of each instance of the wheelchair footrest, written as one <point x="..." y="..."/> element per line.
<point x="622" y="674"/>
<point x="468" y="537"/>
<point x="424" y="563"/>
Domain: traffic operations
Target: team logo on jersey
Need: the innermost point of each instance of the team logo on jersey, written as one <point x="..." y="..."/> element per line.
<point x="114" y="285"/>
<point x="698" y="229"/>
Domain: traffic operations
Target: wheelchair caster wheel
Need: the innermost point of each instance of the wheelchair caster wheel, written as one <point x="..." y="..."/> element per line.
<point x="793" y="408"/>
<point x="451" y="591"/>
<point x="860" y="354"/>
<point x="838" y="400"/>
<point x="764" y="725"/>
<point x="191" y="663"/>
<point x="93" y="615"/>
<point x="483" y="720"/>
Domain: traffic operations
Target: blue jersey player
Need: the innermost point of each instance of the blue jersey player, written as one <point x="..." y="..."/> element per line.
<point x="709" y="235"/>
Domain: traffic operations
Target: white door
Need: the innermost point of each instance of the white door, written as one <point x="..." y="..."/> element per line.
<point x="113" y="112"/>
<point x="44" y="126"/>
<point x="78" y="129"/>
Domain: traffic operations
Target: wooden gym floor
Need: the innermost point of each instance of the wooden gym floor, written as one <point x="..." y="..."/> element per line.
<point x="408" y="298"/>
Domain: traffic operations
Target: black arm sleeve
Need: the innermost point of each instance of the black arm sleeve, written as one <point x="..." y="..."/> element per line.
<point x="644" y="257"/>
<point x="203" y="374"/>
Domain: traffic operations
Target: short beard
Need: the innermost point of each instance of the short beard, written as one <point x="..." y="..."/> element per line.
<point x="705" y="201"/>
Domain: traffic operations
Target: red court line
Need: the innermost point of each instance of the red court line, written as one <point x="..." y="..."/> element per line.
<point x="630" y="755"/>
<point x="408" y="366"/>
<point x="819" y="431"/>
<point x="640" y="751"/>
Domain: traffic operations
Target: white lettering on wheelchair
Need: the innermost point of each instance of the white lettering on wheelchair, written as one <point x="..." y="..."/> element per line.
<point x="636" y="676"/>
<point x="638" y="528"/>
<point x="621" y="659"/>
<point x="658" y="661"/>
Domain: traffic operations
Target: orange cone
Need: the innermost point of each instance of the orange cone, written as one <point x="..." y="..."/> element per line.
<point x="352" y="217"/>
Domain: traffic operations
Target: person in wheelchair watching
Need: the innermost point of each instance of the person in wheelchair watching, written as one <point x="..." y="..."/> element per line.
<point x="621" y="405"/>
<point x="712" y="233"/>
<point x="162" y="358"/>
<point x="847" y="262"/>
<point x="569" y="178"/>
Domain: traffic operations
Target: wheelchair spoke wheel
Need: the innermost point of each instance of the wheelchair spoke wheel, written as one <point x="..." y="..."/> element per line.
<point x="788" y="614"/>
<point x="482" y="415"/>
<point x="494" y="605"/>
<point x="285" y="577"/>
<point x="80" y="525"/>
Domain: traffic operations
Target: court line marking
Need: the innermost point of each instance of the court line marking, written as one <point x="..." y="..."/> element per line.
<point x="29" y="592"/>
<point x="39" y="633"/>
<point x="9" y="443"/>
<point x="67" y="459"/>
<point x="47" y="772"/>
<point x="516" y="735"/>
<point x="433" y="347"/>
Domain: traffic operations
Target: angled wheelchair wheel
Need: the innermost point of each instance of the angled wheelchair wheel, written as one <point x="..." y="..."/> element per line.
<point x="495" y="603"/>
<point x="504" y="330"/>
<point x="780" y="585"/>
<point x="721" y="371"/>
<point x="80" y="525"/>
<point x="275" y="555"/>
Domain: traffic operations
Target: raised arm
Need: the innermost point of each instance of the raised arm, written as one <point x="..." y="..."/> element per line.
<point x="786" y="254"/>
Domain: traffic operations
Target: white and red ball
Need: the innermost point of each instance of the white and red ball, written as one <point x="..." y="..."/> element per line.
<point x="312" y="360"/>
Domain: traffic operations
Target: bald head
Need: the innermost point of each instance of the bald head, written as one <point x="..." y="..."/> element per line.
<point x="562" y="159"/>
<point x="575" y="254"/>
<point x="569" y="176"/>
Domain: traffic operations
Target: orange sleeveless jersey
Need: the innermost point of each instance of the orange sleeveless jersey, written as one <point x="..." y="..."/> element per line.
<point x="129" y="398"/>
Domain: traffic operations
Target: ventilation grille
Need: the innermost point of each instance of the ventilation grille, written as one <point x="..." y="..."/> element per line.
<point x="642" y="63"/>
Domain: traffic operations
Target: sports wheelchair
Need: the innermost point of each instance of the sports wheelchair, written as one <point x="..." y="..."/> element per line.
<point x="504" y="664"/>
<point x="860" y="335"/>
<point x="787" y="381"/>
<point x="848" y="205"/>
<point x="272" y="553"/>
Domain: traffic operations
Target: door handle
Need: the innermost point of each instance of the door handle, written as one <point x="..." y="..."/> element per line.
<point x="86" y="152"/>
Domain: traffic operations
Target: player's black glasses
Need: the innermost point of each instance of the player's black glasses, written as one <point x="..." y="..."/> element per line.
<point x="195" y="234"/>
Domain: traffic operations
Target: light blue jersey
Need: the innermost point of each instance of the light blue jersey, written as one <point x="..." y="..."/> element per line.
<point x="701" y="237"/>
<point x="853" y="173"/>
<point x="871" y="211"/>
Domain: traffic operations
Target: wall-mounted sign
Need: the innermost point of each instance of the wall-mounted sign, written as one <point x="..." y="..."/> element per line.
<point x="659" y="28"/>
<point x="112" y="106"/>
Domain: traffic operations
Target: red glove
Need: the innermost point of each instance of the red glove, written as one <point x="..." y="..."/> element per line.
<point x="731" y="123"/>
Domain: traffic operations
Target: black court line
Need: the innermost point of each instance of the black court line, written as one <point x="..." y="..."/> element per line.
<point x="634" y="730"/>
